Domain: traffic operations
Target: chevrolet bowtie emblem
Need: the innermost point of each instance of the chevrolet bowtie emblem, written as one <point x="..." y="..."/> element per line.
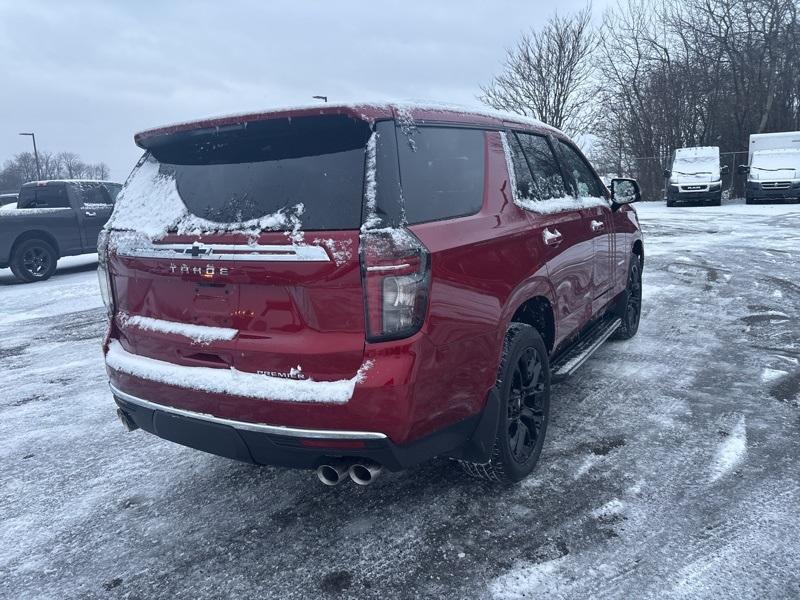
<point x="196" y="250"/>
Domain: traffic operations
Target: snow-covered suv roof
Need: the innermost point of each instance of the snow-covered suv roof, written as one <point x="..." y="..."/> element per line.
<point x="367" y="111"/>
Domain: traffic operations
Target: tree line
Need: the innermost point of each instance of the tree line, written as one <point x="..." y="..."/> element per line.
<point x="655" y="75"/>
<point x="62" y="165"/>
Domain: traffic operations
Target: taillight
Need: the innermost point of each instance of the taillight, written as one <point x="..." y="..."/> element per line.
<point x="103" y="276"/>
<point x="395" y="271"/>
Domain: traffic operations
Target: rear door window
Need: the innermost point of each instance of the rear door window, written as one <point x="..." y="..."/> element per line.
<point x="441" y="172"/>
<point x="586" y="182"/>
<point x="45" y="196"/>
<point x="543" y="180"/>
<point x="92" y="194"/>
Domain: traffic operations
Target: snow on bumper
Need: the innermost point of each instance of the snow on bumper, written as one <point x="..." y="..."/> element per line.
<point x="231" y="381"/>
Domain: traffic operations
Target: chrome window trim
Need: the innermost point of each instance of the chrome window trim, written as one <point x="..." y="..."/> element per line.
<point x="232" y="252"/>
<point x="320" y="434"/>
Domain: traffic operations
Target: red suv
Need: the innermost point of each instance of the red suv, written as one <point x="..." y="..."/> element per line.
<point x="352" y="288"/>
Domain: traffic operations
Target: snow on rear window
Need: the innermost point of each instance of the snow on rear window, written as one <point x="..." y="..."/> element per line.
<point x="149" y="205"/>
<point x="271" y="175"/>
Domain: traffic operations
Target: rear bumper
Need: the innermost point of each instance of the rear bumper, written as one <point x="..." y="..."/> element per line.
<point x="291" y="447"/>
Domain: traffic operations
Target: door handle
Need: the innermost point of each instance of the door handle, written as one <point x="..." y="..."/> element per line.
<point x="552" y="238"/>
<point x="90" y="214"/>
<point x="597" y="225"/>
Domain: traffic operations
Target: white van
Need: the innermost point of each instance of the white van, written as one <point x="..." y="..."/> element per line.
<point x="773" y="167"/>
<point x="695" y="177"/>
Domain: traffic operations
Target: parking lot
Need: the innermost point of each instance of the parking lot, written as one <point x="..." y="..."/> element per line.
<point x="670" y="467"/>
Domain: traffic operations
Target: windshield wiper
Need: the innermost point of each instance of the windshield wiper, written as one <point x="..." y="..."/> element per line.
<point x="693" y="172"/>
<point x="777" y="169"/>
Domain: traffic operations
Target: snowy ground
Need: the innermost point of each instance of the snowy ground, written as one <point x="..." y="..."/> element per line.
<point x="670" y="468"/>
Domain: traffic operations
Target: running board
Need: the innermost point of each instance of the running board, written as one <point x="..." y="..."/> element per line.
<point x="572" y="360"/>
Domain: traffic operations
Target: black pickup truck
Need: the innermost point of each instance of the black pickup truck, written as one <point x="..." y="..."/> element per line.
<point x="53" y="219"/>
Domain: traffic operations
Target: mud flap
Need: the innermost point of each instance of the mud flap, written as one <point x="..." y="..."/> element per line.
<point x="478" y="448"/>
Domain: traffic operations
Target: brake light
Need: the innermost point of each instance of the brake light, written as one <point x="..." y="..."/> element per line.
<point x="103" y="276"/>
<point x="395" y="272"/>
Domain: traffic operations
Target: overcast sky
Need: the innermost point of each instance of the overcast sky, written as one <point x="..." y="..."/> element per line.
<point x="85" y="76"/>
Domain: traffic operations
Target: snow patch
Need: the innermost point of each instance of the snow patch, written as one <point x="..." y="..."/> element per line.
<point x="341" y="251"/>
<point x="232" y="381"/>
<point x="730" y="452"/>
<point x="609" y="509"/>
<point x="768" y="375"/>
<point x="199" y="334"/>
<point x="526" y="581"/>
<point x="371" y="219"/>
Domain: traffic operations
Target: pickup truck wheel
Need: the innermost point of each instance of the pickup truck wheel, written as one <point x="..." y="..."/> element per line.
<point x="34" y="260"/>
<point x="631" y="310"/>
<point x="523" y="387"/>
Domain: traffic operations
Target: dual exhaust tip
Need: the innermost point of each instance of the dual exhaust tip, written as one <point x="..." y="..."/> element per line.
<point x="361" y="472"/>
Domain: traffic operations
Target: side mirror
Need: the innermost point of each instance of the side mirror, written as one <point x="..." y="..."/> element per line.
<point x="624" y="191"/>
<point x="743" y="169"/>
<point x="667" y="173"/>
<point x="724" y="170"/>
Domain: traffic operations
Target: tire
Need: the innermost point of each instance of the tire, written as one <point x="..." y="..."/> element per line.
<point x="523" y="387"/>
<point x="670" y="203"/>
<point x="34" y="260"/>
<point x="630" y="309"/>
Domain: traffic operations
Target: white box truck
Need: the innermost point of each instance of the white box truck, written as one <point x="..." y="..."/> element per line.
<point x="773" y="167"/>
<point x="695" y="176"/>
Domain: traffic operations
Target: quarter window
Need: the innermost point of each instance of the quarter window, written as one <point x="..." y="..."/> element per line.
<point x="441" y="172"/>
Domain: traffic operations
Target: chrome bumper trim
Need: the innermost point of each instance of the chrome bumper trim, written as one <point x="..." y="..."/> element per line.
<point x="231" y="252"/>
<point x="320" y="434"/>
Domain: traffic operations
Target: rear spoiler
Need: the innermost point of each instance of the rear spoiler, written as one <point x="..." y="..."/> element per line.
<point x="151" y="138"/>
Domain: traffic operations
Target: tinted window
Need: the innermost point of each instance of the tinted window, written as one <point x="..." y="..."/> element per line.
<point x="544" y="180"/>
<point x="582" y="175"/>
<point x="44" y="196"/>
<point x="441" y="172"/>
<point x="236" y="174"/>
<point x="92" y="193"/>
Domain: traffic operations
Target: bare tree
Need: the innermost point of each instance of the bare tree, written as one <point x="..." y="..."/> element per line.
<point x="547" y="74"/>
<point x="73" y="166"/>
<point x="64" y="165"/>
<point x="680" y="73"/>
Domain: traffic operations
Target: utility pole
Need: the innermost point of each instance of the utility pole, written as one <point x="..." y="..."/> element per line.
<point x="36" y="155"/>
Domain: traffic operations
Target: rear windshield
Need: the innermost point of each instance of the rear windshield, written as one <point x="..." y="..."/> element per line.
<point x="233" y="175"/>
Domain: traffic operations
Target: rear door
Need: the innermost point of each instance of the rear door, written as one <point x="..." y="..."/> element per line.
<point x="598" y="222"/>
<point x="93" y="206"/>
<point x="50" y="203"/>
<point x="254" y="231"/>
<point x="555" y="215"/>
